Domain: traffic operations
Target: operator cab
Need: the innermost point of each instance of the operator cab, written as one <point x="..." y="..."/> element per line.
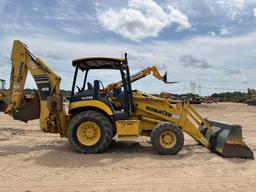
<point x="93" y="90"/>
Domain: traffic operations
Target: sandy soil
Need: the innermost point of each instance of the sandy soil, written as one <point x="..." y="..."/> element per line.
<point x="34" y="161"/>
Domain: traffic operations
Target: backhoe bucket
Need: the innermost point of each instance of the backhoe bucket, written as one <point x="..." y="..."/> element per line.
<point x="29" y="109"/>
<point x="227" y="140"/>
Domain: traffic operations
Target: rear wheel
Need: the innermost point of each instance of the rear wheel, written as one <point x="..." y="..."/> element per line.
<point x="90" y="132"/>
<point x="167" y="139"/>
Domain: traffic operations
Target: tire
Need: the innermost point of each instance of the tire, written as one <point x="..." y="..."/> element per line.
<point x="103" y="125"/>
<point x="3" y="106"/>
<point x="171" y="147"/>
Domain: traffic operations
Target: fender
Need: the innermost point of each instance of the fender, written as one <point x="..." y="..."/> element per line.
<point x="91" y="103"/>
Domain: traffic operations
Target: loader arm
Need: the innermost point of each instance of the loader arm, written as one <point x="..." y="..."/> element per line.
<point x="222" y="138"/>
<point x="139" y="75"/>
<point x="49" y="102"/>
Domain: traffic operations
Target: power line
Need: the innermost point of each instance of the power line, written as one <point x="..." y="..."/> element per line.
<point x="224" y="88"/>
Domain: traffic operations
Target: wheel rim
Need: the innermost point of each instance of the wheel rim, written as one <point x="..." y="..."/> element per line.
<point x="168" y="139"/>
<point x="88" y="133"/>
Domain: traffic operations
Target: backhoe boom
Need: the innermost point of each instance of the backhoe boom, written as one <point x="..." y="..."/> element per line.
<point x="48" y="105"/>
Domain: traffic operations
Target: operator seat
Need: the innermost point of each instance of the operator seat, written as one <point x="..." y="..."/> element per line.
<point x="119" y="94"/>
<point x="118" y="115"/>
<point x="90" y="86"/>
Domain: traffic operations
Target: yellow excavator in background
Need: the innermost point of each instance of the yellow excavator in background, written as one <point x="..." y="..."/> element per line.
<point x="97" y="113"/>
<point x="4" y="95"/>
<point x="251" y="97"/>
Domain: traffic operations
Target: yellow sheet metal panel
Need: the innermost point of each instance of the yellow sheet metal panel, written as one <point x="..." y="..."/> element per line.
<point x="128" y="128"/>
<point x="157" y="110"/>
<point x="147" y="125"/>
<point x="91" y="103"/>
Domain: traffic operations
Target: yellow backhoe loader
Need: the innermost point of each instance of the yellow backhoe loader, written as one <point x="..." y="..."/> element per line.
<point x="97" y="113"/>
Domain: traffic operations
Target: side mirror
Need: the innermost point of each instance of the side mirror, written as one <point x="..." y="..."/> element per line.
<point x="165" y="79"/>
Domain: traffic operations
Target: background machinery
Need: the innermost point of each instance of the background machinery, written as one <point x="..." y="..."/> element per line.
<point x="97" y="113"/>
<point x="251" y="97"/>
<point x="3" y="95"/>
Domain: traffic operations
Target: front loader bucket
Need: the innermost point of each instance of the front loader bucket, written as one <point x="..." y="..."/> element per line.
<point x="227" y="140"/>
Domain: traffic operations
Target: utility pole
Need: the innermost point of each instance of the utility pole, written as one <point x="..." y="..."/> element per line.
<point x="193" y="87"/>
<point x="199" y="88"/>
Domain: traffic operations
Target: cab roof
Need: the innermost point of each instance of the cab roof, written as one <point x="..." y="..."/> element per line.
<point x="99" y="63"/>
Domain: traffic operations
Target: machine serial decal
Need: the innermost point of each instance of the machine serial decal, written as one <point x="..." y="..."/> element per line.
<point x="87" y="98"/>
<point x="162" y="112"/>
<point x="45" y="89"/>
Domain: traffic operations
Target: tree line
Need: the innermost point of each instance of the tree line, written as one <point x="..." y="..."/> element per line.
<point x="65" y="93"/>
<point x="236" y="96"/>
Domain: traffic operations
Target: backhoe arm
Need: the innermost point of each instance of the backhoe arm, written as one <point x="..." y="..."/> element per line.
<point x="139" y="75"/>
<point x="50" y="102"/>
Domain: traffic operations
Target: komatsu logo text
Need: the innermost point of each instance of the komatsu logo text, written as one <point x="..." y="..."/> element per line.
<point x="162" y="112"/>
<point x="21" y="67"/>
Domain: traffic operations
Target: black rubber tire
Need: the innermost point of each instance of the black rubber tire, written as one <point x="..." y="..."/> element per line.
<point x="155" y="138"/>
<point x="101" y="120"/>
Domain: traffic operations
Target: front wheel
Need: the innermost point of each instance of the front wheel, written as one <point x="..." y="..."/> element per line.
<point x="167" y="138"/>
<point x="90" y="132"/>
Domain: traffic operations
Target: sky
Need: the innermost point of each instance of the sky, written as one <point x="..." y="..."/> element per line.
<point x="209" y="42"/>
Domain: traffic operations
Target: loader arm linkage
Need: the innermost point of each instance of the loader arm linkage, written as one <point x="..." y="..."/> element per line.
<point x="48" y="103"/>
<point x="218" y="137"/>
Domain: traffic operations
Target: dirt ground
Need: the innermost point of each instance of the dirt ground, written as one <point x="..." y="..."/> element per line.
<point x="34" y="161"/>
